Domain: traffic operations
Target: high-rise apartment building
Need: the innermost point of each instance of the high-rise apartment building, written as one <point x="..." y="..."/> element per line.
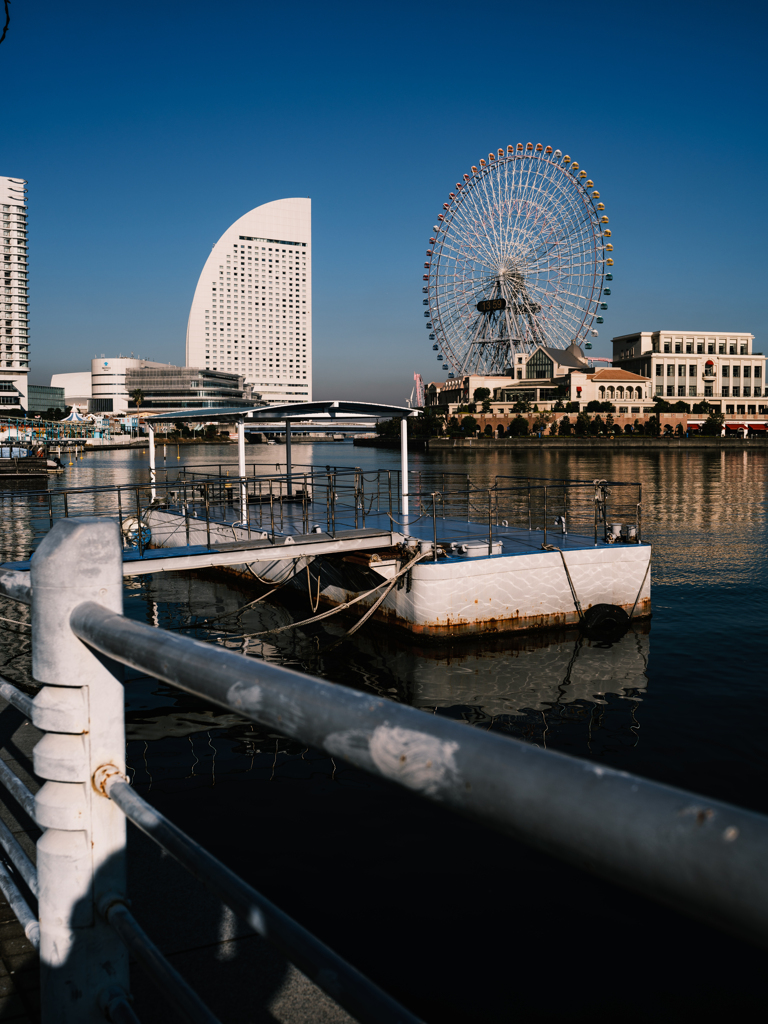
<point x="252" y="309"/>
<point x="14" y="347"/>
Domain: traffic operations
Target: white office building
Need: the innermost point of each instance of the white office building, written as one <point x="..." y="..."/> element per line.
<point x="77" y="387"/>
<point x="720" y="367"/>
<point x="14" y="354"/>
<point x="252" y="309"/>
<point x="111" y="385"/>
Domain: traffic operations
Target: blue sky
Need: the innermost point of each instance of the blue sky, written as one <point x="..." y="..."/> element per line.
<point x="145" y="131"/>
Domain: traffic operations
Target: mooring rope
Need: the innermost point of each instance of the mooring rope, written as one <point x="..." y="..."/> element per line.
<point x="242" y="608"/>
<point x="267" y="583"/>
<point x="347" y="604"/>
<point x="367" y="615"/>
<point x="313" y="604"/>
<point x="577" y="603"/>
<point x="17" y="622"/>
<point x="645" y="577"/>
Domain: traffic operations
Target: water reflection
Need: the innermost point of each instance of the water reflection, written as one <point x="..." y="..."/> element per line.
<point x="703" y="511"/>
<point x="535" y="678"/>
<point x="561" y="690"/>
<point x="688" y="709"/>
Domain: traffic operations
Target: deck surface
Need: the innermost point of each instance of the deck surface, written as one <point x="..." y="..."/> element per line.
<point x="289" y="542"/>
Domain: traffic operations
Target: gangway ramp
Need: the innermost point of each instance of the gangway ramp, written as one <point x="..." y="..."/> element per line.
<point x="259" y="549"/>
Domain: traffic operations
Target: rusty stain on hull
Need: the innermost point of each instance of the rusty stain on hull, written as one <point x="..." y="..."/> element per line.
<point x="464" y="627"/>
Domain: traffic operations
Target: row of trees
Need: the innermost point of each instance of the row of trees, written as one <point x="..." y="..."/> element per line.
<point x="431" y="425"/>
<point x="582" y="426"/>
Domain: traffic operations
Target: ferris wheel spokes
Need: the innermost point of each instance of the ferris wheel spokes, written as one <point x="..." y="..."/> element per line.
<point x="523" y="228"/>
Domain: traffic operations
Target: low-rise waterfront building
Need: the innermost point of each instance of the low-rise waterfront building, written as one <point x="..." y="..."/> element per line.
<point x="167" y="388"/>
<point x="41" y="398"/>
<point x="77" y="387"/>
<point x="108" y="388"/>
<point x="692" y="366"/>
<point x="546" y="379"/>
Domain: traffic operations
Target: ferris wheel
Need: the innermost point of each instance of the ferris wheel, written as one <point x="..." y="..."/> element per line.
<point x="519" y="258"/>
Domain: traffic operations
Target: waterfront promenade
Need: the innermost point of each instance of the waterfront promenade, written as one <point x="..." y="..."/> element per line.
<point x="623" y="443"/>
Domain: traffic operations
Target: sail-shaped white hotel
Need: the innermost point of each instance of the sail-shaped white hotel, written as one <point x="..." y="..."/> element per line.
<point x="252" y="310"/>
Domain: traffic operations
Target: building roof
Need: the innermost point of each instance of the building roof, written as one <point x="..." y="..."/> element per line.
<point x="329" y="410"/>
<point x="565" y="357"/>
<point x="613" y="373"/>
<point x="701" y="334"/>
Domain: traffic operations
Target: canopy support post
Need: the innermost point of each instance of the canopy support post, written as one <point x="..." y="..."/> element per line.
<point x="241" y="469"/>
<point x="152" y="472"/>
<point x="404" y="473"/>
<point x="289" y="480"/>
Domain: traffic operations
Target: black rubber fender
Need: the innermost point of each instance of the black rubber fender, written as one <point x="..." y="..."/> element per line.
<point x="605" y="622"/>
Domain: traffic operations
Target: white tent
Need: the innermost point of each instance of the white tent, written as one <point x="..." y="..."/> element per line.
<point x="74" y="416"/>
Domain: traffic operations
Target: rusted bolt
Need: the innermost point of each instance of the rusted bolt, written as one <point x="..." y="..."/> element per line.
<point x="104" y="775"/>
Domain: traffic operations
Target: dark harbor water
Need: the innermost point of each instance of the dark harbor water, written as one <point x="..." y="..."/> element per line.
<point x="460" y="923"/>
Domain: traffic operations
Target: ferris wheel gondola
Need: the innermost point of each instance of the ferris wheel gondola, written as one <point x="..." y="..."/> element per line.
<point x="517" y="259"/>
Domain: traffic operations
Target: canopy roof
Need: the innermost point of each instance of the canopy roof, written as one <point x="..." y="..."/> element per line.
<point x="74" y="416"/>
<point x="329" y="411"/>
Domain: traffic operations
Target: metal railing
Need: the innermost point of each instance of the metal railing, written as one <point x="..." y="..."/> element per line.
<point x="701" y="856"/>
<point x="83" y="927"/>
<point x="270" y="504"/>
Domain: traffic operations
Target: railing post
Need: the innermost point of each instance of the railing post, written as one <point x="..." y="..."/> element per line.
<point x="241" y="469"/>
<point x="81" y="854"/>
<point x="404" y="473"/>
<point x="490" y="524"/>
<point x="186" y="513"/>
<point x="207" y="516"/>
<point x="152" y="470"/>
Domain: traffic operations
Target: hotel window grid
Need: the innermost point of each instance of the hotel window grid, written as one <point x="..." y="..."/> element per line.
<point x="14" y="308"/>
<point x="267" y="316"/>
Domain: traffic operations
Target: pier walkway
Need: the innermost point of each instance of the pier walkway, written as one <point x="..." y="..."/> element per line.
<point x="170" y="528"/>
